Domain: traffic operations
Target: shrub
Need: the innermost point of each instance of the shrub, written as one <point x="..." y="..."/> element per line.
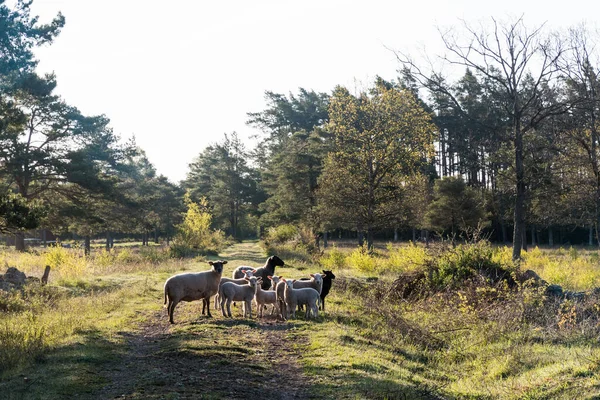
<point x="361" y="259"/>
<point x="333" y="259"/>
<point x="464" y="262"/>
<point x="405" y="259"/>
<point x="281" y="234"/>
<point x="66" y="262"/>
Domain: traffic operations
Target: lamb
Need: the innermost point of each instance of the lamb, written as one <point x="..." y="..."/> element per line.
<point x="315" y="281"/>
<point x="242" y="281"/>
<point x="233" y="292"/>
<point x="295" y="297"/>
<point x="264" y="297"/>
<point x="327" y="277"/>
<point x="280" y="298"/>
<point x="263" y="272"/>
<point x="193" y="286"/>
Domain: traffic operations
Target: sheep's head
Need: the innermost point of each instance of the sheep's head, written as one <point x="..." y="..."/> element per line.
<point x="217" y="266"/>
<point x="275" y="261"/>
<point x="329" y="274"/>
<point x="317" y="277"/>
<point x="249" y="272"/>
<point x="274" y="280"/>
<point x="289" y="282"/>
<point x="253" y="281"/>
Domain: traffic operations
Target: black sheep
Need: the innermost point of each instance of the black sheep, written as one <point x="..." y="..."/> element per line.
<point x="264" y="272"/>
<point x="327" y="277"/>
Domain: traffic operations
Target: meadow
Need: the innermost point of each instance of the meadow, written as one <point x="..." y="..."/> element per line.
<point x="403" y="322"/>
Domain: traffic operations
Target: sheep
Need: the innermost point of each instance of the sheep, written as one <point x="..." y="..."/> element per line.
<point x="264" y="297"/>
<point x="280" y="298"/>
<point x="327" y="277"/>
<point x="264" y="271"/>
<point x="315" y="281"/>
<point x="233" y="292"/>
<point x="242" y="281"/>
<point x="193" y="286"/>
<point x="294" y="297"/>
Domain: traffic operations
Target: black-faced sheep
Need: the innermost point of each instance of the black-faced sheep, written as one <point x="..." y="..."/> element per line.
<point x="327" y="277"/>
<point x="262" y="272"/>
<point x="193" y="286"/>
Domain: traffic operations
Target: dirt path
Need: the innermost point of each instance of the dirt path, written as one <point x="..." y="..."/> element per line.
<point x="200" y="357"/>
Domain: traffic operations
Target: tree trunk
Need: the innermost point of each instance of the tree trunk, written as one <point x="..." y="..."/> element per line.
<point x="156" y="235"/>
<point x="524" y="238"/>
<point x="325" y="239"/>
<point x="395" y="234"/>
<point x="87" y="245"/>
<point x="504" y="233"/>
<point x="591" y="236"/>
<point x="414" y="232"/>
<point x="44" y="239"/>
<point x="550" y="237"/>
<point x="361" y="238"/>
<point x="107" y="246"/>
<point x="519" y="215"/>
<point x="20" y="241"/>
<point x="532" y="235"/>
<point x="370" y="238"/>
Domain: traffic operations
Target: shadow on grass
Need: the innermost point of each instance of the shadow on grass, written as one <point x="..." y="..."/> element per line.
<point x="357" y="385"/>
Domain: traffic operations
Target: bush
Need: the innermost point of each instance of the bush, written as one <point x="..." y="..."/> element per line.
<point x="333" y="259"/>
<point x="405" y="259"/>
<point x="68" y="263"/>
<point x="362" y="260"/>
<point x="281" y="234"/>
<point x="464" y="262"/>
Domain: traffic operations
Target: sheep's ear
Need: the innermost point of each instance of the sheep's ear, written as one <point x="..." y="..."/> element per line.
<point x="253" y="271"/>
<point x="270" y="277"/>
<point x="313" y="275"/>
<point x="324" y="272"/>
<point x="223" y="262"/>
<point x="210" y="263"/>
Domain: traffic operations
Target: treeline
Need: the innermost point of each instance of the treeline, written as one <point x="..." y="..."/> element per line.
<point x="508" y="148"/>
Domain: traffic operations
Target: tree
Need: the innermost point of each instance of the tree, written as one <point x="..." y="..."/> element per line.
<point x="221" y="174"/>
<point x="291" y="155"/>
<point x="455" y="207"/>
<point x="522" y="66"/>
<point x="379" y="138"/>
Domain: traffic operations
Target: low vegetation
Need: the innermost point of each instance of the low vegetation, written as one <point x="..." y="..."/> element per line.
<point x="404" y="321"/>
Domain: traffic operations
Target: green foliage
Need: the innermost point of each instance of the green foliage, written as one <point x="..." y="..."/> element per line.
<point x="362" y="260"/>
<point x="455" y="206"/>
<point x="66" y="262"/>
<point x="465" y="261"/>
<point x="281" y="233"/>
<point x="18" y="214"/>
<point x="195" y="235"/>
<point x="334" y="259"/>
<point x="405" y="258"/>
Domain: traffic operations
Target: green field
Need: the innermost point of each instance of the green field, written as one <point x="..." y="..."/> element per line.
<point x="102" y="332"/>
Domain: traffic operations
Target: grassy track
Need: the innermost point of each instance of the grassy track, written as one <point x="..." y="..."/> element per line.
<point x="108" y="337"/>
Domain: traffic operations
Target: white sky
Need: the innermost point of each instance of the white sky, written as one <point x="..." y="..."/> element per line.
<point x="179" y="74"/>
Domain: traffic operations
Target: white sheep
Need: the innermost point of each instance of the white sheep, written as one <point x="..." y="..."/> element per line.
<point x="264" y="297"/>
<point x="233" y="292"/>
<point x="295" y="297"/>
<point x="315" y="282"/>
<point x="241" y="281"/>
<point x="193" y="286"/>
<point x="280" y="296"/>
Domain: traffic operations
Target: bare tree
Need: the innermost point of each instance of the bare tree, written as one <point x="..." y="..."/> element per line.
<point x="521" y="67"/>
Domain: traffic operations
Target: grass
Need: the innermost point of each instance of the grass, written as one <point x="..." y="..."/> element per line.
<point x="104" y="327"/>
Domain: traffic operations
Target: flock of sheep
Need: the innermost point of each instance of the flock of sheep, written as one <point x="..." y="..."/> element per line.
<point x="249" y="284"/>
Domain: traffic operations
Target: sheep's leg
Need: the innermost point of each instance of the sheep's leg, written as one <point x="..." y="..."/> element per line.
<point x="206" y="302"/>
<point x="249" y="309"/>
<point x="229" y="308"/>
<point x="216" y="300"/>
<point x="173" y="305"/>
<point x="222" y="301"/>
<point x="169" y="307"/>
